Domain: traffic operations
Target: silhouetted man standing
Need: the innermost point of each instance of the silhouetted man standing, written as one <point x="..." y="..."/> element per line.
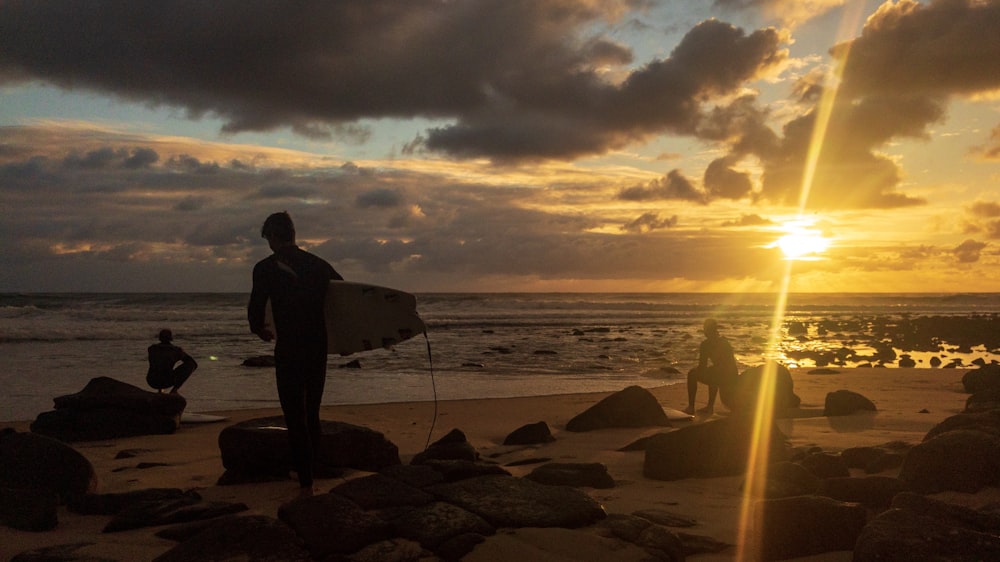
<point x="295" y="281"/>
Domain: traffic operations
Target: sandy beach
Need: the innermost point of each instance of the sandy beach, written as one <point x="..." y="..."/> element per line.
<point x="909" y="401"/>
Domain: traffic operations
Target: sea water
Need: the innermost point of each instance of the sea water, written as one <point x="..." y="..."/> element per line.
<point x="476" y="346"/>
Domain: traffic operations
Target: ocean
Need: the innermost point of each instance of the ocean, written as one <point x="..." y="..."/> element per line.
<point x="481" y="345"/>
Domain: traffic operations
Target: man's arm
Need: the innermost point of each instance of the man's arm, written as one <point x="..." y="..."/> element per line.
<point x="257" y="304"/>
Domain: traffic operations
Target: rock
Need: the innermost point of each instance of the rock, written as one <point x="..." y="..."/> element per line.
<point x="751" y="380"/>
<point x="59" y="553"/>
<point x="453" y="446"/>
<point x="257" y="450"/>
<point x="930" y="532"/>
<point x="505" y="501"/>
<point x="110" y="409"/>
<point x="110" y="504"/>
<point x="845" y="403"/>
<point x="252" y="537"/>
<point x="665" y="544"/>
<point x="454" y="470"/>
<point x="331" y="524"/>
<point x="804" y="526"/>
<point x="631" y="407"/>
<point x="435" y="523"/>
<point x="825" y="465"/>
<point x="418" y="476"/>
<point x="259" y="361"/>
<point x="592" y="475"/>
<point x="377" y="491"/>
<point x="665" y="518"/>
<point x="963" y="460"/>
<point x="872" y="491"/>
<point x="393" y="550"/>
<point x="530" y="434"/>
<point x="169" y="511"/>
<point x="906" y="361"/>
<point x="983" y="400"/>
<point x="717" y="447"/>
<point x="986" y="377"/>
<point x="951" y="514"/>
<point x="29" y="510"/>
<point x="786" y="479"/>
<point x="35" y="462"/>
<point x="987" y="422"/>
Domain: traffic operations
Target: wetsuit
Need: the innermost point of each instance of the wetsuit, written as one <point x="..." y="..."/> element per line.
<point x="296" y="283"/>
<point x="162" y="374"/>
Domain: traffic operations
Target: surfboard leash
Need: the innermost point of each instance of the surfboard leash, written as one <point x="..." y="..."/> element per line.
<point x="430" y="361"/>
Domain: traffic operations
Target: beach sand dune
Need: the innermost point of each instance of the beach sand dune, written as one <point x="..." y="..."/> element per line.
<point x="910" y="402"/>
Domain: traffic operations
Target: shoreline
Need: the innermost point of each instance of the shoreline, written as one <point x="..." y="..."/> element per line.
<point x="910" y="402"/>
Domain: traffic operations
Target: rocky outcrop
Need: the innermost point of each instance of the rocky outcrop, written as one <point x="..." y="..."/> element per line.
<point x="805" y="525"/>
<point x="715" y="448"/>
<point x="109" y="409"/>
<point x="591" y="475"/>
<point x="962" y="460"/>
<point x="845" y="403"/>
<point x="252" y="537"/>
<point x="453" y="446"/>
<point x="257" y="450"/>
<point x="35" y="462"/>
<point x="921" y="528"/>
<point x="632" y="407"/>
<point x="530" y="434"/>
<point x="779" y="381"/>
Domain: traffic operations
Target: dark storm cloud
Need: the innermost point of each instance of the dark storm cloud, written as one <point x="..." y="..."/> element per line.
<point x="649" y="222"/>
<point x="671" y="186"/>
<point x="749" y="220"/>
<point x="382" y="198"/>
<point x="521" y="79"/>
<point x="969" y="251"/>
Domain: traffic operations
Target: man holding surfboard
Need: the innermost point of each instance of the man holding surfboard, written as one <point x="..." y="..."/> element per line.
<point x="295" y="282"/>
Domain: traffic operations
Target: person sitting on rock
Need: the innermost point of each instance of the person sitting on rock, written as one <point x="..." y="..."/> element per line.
<point x="723" y="372"/>
<point x="162" y="357"/>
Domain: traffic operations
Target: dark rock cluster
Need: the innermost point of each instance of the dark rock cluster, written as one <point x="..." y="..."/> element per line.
<point x="110" y="409"/>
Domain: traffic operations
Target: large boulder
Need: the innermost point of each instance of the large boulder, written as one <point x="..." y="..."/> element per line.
<point x="633" y="406"/>
<point x="920" y="528"/>
<point x="253" y="537"/>
<point x="805" y="525"/>
<point x="258" y="449"/>
<point x="110" y="409"/>
<point x="35" y="462"/>
<point x="454" y="446"/>
<point x="331" y="524"/>
<point x="718" y="447"/>
<point x="505" y="501"/>
<point x="963" y="460"/>
<point x="779" y="382"/>
<point x="845" y="403"/>
<point x="982" y="379"/>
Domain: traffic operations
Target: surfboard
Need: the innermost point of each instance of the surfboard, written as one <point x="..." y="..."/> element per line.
<point x="677" y="415"/>
<point x="195" y="417"/>
<point x="363" y="317"/>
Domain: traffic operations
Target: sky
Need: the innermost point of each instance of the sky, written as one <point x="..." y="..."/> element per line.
<point x="503" y="145"/>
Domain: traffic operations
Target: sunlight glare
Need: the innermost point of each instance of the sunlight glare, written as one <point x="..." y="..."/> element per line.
<point x="802" y="244"/>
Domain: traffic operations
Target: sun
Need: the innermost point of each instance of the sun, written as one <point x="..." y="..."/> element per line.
<point x="802" y="243"/>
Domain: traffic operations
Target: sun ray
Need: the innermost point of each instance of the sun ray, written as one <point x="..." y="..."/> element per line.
<point x="756" y="474"/>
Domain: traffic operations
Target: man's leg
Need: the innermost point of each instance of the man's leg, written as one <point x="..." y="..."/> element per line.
<point x="314" y="384"/>
<point x="692" y="390"/>
<point x="291" y="394"/>
<point x="713" y="391"/>
<point x="181" y="375"/>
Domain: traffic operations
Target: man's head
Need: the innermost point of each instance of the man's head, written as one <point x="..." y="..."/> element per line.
<point x="165" y="335"/>
<point x="711" y="327"/>
<point x="278" y="229"/>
